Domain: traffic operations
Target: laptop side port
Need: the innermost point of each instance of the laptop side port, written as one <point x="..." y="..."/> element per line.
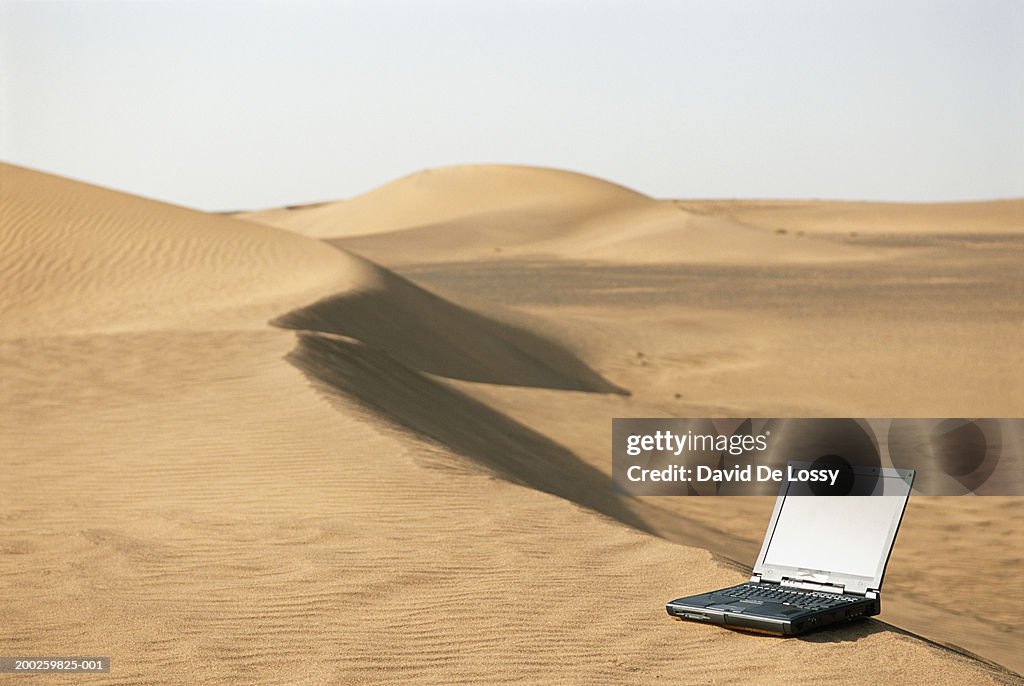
<point x="694" y="615"/>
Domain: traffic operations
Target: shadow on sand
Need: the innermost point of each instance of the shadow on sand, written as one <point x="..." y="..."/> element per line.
<point x="427" y="333"/>
<point x="432" y="409"/>
<point x="855" y="631"/>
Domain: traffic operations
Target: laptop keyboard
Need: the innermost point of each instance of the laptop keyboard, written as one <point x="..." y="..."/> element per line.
<point x="771" y="593"/>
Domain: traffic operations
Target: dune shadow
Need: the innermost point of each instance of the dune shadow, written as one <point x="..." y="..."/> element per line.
<point x="432" y="409"/>
<point x="843" y="633"/>
<point x="854" y="631"/>
<point x="847" y="633"/>
<point x="840" y="633"/>
<point x="430" y="334"/>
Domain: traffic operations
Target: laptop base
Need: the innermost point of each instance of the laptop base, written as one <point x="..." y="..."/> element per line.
<point x="776" y="618"/>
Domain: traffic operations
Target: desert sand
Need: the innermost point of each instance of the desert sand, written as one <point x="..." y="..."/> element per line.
<point x="367" y="441"/>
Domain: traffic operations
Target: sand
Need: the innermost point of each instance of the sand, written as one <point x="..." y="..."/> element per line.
<point x="241" y="453"/>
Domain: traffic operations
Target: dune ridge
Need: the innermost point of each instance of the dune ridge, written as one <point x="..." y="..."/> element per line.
<point x="138" y="262"/>
<point x="459" y="422"/>
<point x="486" y="211"/>
<point x="432" y="196"/>
<point x="430" y="334"/>
<point x="977" y="218"/>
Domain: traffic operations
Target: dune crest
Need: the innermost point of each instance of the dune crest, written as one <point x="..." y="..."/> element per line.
<point x="984" y="218"/>
<point x="77" y="257"/>
<point x="431" y="196"/>
<point x="495" y="212"/>
<point x="430" y="334"/>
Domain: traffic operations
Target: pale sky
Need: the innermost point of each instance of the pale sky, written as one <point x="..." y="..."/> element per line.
<point x="228" y="105"/>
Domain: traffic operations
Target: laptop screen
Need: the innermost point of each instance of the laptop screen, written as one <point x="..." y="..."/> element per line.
<point x="846" y="535"/>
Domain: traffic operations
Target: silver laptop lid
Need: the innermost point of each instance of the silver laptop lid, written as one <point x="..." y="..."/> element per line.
<point x="841" y="540"/>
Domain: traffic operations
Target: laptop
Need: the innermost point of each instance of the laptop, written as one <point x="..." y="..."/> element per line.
<point x="821" y="562"/>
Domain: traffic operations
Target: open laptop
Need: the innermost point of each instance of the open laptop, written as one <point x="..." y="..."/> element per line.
<point x="821" y="562"/>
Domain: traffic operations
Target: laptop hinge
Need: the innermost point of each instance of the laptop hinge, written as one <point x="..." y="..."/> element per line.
<point x="755" y="578"/>
<point x="813" y="585"/>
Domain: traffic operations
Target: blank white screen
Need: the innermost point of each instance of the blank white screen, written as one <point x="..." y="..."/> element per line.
<point x="847" y="534"/>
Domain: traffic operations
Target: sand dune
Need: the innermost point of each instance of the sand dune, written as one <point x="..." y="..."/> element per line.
<point x="79" y="258"/>
<point x="488" y="212"/>
<point x="967" y="219"/>
<point x="149" y="265"/>
<point x="434" y="196"/>
<point x="399" y="487"/>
